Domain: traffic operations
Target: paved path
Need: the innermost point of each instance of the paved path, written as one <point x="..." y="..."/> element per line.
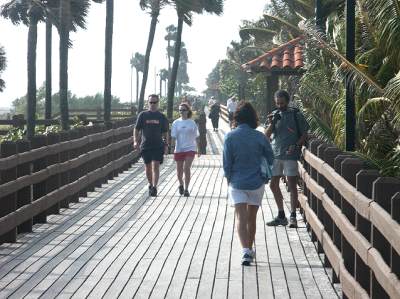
<point x="118" y="242"/>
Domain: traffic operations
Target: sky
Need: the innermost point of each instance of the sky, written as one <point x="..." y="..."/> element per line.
<point x="206" y="41"/>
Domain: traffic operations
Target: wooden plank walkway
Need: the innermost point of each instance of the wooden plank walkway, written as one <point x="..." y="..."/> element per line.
<point x="118" y="242"/>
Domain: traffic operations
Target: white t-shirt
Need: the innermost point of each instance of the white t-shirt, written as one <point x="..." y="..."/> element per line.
<point x="231" y="106"/>
<point x="185" y="132"/>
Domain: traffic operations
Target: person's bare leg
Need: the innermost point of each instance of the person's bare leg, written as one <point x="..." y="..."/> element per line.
<point x="186" y="167"/>
<point x="292" y="183"/>
<point x="149" y="173"/>
<point x="276" y="190"/>
<point x="179" y="172"/>
<point x="241" y="224"/>
<point x="251" y="224"/>
<point x="156" y="172"/>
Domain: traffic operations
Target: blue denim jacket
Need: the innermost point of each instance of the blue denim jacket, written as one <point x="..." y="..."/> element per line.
<point x="243" y="149"/>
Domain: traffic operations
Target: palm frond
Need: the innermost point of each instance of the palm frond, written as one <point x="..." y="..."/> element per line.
<point x="320" y="129"/>
<point x="347" y="67"/>
<point x="283" y="23"/>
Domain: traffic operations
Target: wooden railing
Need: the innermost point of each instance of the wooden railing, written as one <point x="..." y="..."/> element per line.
<point x="224" y="114"/>
<point x="41" y="176"/>
<point x="353" y="215"/>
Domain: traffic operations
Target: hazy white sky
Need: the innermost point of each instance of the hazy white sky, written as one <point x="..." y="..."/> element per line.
<point x="206" y="41"/>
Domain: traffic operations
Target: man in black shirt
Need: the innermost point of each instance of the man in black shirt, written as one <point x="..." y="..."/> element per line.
<point x="150" y="134"/>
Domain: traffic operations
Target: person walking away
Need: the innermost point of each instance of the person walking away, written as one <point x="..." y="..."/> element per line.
<point x="185" y="132"/>
<point x="150" y="135"/>
<point x="288" y="129"/>
<point x="231" y="107"/>
<point x="244" y="149"/>
<point x="214" y="115"/>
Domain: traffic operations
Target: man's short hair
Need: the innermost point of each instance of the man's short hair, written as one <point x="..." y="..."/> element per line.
<point x="153" y="96"/>
<point x="282" y="94"/>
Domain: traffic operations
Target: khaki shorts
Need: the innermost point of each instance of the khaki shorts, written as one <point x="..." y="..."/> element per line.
<point x="285" y="168"/>
<point x="251" y="197"/>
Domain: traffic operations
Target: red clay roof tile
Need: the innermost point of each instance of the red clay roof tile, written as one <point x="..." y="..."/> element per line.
<point x="288" y="56"/>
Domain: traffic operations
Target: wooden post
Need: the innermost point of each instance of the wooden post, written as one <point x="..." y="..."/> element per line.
<point x="395" y="257"/>
<point x="364" y="180"/>
<point x="53" y="182"/>
<point x="64" y="176"/>
<point x="24" y="195"/>
<point x="201" y="122"/>
<point x="8" y="202"/>
<point x="39" y="189"/>
<point x="272" y="85"/>
<point x="383" y="189"/>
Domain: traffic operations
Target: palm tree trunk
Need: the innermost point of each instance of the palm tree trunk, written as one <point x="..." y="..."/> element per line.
<point x="169" y="58"/>
<point x="49" y="32"/>
<point x="64" y="38"/>
<point x="137" y="86"/>
<point x="108" y="60"/>
<point x="153" y="25"/>
<point x="174" y="72"/>
<point x="31" y="101"/>
<point x="160" y="87"/>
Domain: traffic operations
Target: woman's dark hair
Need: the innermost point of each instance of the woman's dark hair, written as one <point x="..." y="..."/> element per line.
<point x="190" y="113"/>
<point x="282" y="94"/>
<point x="245" y="114"/>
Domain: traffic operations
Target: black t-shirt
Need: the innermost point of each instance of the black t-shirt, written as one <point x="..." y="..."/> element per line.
<point x="152" y="125"/>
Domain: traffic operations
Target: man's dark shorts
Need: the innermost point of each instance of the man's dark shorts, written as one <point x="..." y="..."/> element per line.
<point x="156" y="154"/>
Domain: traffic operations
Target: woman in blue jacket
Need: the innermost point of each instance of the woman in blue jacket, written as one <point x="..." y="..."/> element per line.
<point x="244" y="148"/>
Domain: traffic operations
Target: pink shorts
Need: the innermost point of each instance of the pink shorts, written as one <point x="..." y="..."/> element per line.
<point x="183" y="155"/>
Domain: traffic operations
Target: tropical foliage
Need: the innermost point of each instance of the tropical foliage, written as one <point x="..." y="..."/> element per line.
<point x="320" y="91"/>
<point x="3" y="64"/>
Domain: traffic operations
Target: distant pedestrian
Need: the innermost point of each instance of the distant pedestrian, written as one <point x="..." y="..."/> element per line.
<point x="215" y="110"/>
<point x="150" y="135"/>
<point x="185" y="132"/>
<point x="288" y="132"/>
<point x="231" y="107"/>
<point x="244" y="149"/>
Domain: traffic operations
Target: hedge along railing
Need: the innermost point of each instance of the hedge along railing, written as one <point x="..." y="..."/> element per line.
<point x="40" y="177"/>
<point x="354" y="216"/>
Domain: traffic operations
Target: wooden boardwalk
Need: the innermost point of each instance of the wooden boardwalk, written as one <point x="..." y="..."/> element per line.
<point x="118" y="242"/>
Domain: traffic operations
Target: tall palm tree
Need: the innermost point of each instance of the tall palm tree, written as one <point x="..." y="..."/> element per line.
<point x="155" y="6"/>
<point x="72" y="14"/>
<point x="163" y="78"/>
<point x="137" y="62"/>
<point x="3" y="64"/>
<point x="171" y="36"/>
<point x="185" y="10"/>
<point x="29" y="13"/>
<point x="108" y="60"/>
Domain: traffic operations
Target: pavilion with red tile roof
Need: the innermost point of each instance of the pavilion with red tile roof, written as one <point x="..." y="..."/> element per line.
<point x="285" y="60"/>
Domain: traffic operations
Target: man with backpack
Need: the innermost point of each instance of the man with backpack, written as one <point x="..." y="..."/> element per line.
<point x="287" y="131"/>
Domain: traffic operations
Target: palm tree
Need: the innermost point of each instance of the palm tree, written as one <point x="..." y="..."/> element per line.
<point x="163" y="78"/>
<point x="155" y="7"/>
<point x="108" y="60"/>
<point x="137" y="62"/>
<point x="171" y="36"/>
<point x="29" y="13"/>
<point x="185" y="11"/>
<point x="3" y="64"/>
<point x="72" y="14"/>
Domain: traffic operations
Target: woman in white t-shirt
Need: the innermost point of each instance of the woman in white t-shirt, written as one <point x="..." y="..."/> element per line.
<point x="185" y="132"/>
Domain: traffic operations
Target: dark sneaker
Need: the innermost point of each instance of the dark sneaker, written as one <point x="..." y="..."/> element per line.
<point x="278" y="221"/>
<point x="153" y="191"/>
<point x="292" y="222"/>
<point x="181" y="190"/>
<point x="150" y="189"/>
<point x="246" y="259"/>
<point x="186" y="193"/>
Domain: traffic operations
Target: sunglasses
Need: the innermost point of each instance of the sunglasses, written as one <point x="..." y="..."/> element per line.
<point x="153" y="102"/>
<point x="182" y="110"/>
